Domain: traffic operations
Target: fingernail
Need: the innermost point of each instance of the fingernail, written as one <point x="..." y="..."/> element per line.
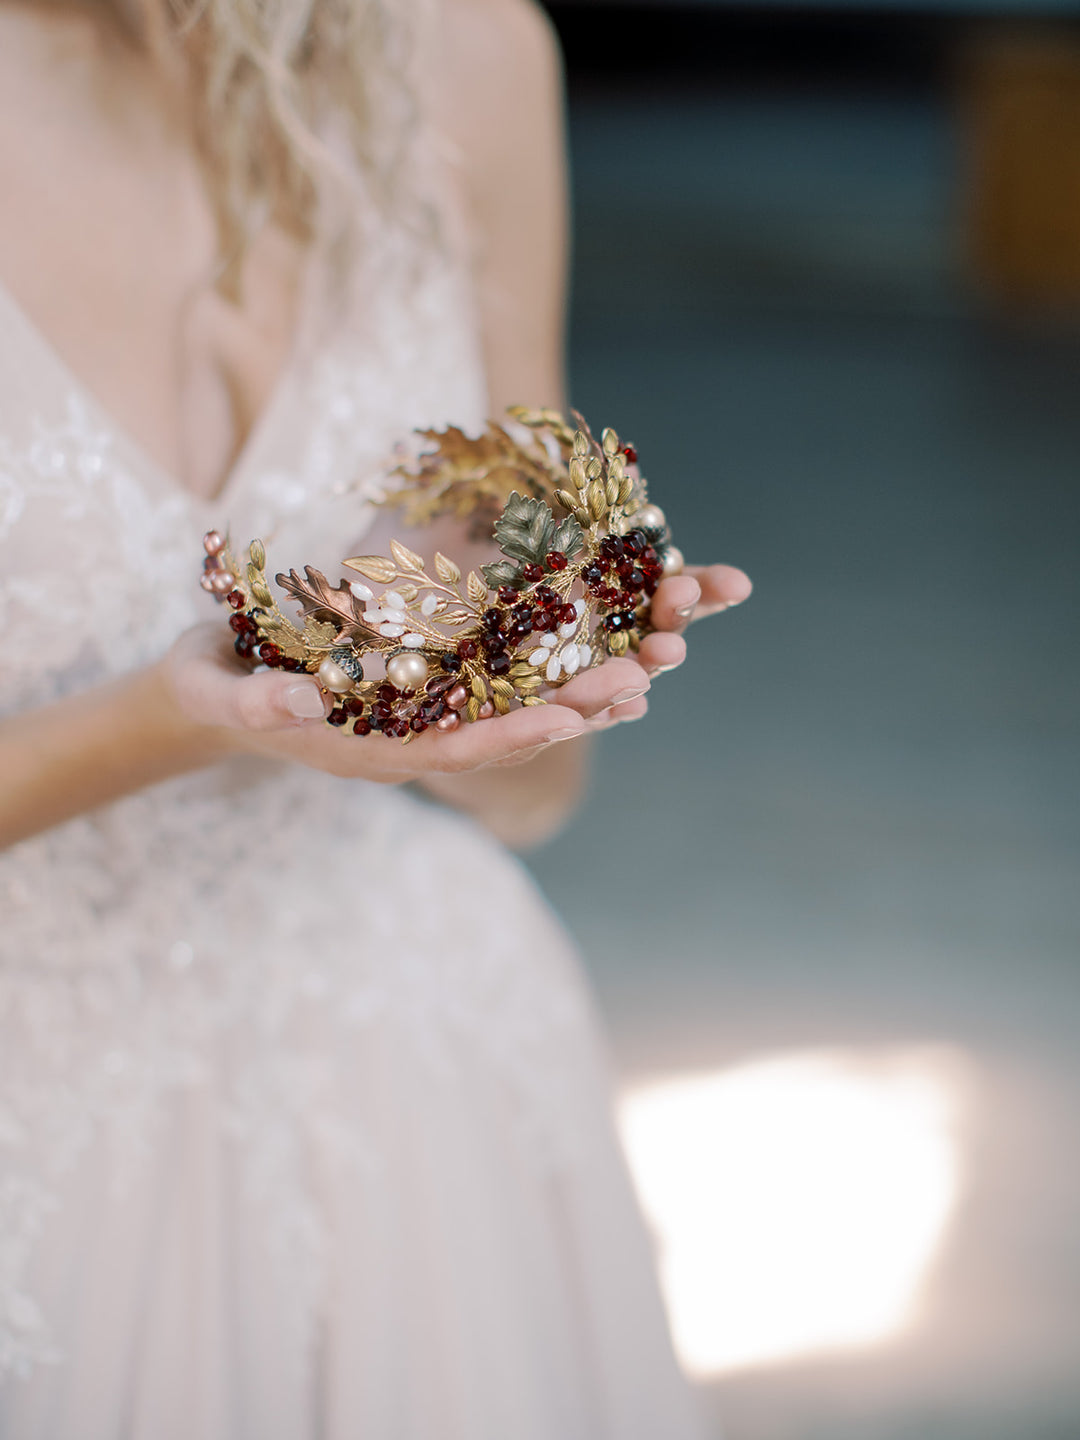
<point x="685" y="611"/>
<point x="624" y="695"/>
<point x="567" y="734"/>
<point x="304" y="701"/>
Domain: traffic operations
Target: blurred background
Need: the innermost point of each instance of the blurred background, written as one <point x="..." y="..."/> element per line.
<point x="827" y="279"/>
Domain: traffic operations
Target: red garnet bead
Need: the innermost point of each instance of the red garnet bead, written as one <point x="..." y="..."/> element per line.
<point x="244" y="647"/>
<point x="353" y="705"/>
<point x="545" y="621"/>
<point x="236" y="599"/>
<point x="499" y="664"/>
<point x="521" y="613"/>
<point x="544" y="595"/>
<point x="507" y="594"/>
<point x="630" y="453"/>
<point x="291" y="663"/>
<point x="337" y="716"/>
<point x="635" y="542"/>
<point x="418" y="723"/>
<point x="386" y="693"/>
<point x="450" y="662"/>
<point x="555" y="560"/>
<point x="269" y="654"/>
<point x="566" y="613"/>
<point x="532" y="571"/>
<point x="381" y="711"/>
<point x="398" y="728"/>
<point x="468" y="649"/>
<point x="592" y="573"/>
<point x="362" y="726"/>
<point x="241" y="624"/>
<point x="491" y="619"/>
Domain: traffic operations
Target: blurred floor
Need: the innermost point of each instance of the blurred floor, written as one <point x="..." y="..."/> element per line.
<point x="851" y="821"/>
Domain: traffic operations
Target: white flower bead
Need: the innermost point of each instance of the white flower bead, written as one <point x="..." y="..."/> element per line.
<point x="568" y="629"/>
<point x="570" y="658"/>
<point x="391" y="631"/>
<point x="539" y="656"/>
<point x="584" y="657"/>
<point x="361" y="591"/>
<point x="579" y="606"/>
<point x="429" y="604"/>
<point x="554" y="665"/>
<point x="392" y="600"/>
<point x="413" y="641"/>
<point x="548" y="640"/>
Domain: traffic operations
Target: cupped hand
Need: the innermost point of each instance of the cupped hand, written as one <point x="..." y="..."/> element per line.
<point x="275" y="713"/>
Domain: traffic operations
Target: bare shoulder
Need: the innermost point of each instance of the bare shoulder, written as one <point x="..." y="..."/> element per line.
<point x="502" y="79"/>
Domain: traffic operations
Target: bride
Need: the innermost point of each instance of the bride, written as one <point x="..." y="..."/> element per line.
<point x="305" y="1126"/>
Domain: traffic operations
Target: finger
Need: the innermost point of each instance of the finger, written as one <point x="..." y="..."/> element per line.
<point x="215" y="688"/>
<point x="489" y="742"/>
<point x="604" y="685"/>
<point x="618" y="714"/>
<point x="674" y="602"/>
<point x="661" y="651"/>
<point x="722" y="586"/>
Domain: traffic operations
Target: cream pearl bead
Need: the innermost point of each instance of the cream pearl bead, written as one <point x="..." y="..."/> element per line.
<point x="407" y="672"/>
<point x="333" y="677"/>
<point x="649" y="517"/>
<point x="673" y="561"/>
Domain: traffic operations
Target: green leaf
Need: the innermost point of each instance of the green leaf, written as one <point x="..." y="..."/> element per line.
<point x="526" y="528"/>
<point x="501" y="572"/>
<point x="569" y="537"/>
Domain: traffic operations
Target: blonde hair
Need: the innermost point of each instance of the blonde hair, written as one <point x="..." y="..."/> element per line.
<point x="294" y="99"/>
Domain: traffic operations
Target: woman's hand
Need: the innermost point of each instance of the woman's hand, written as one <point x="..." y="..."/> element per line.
<point x="281" y="714"/>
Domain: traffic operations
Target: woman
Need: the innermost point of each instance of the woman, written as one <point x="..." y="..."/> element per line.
<point x="304" y="1124"/>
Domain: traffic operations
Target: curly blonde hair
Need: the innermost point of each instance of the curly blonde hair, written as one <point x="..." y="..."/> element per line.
<point x="292" y="97"/>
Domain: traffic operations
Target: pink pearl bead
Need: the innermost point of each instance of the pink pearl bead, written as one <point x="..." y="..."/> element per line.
<point x="222" y="581"/>
<point x="487" y="709"/>
<point x="448" y="722"/>
<point x="207" y="582"/>
<point x="214" y="542"/>
<point x="457" y="697"/>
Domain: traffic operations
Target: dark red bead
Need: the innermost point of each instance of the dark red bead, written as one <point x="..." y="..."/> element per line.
<point x="608" y="594"/>
<point x="507" y="594"/>
<point x="381" y="711"/>
<point x="398" y="728"/>
<point x="244" y="647"/>
<point x="545" y="621"/>
<point x="634" y="542"/>
<point x="623" y="568"/>
<point x="269" y="654"/>
<point x="566" y="613"/>
<point x="468" y="649"/>
<point x="337" y="716"/>
<point x="555" y="560"/>
<point x="611" y="547"/>
<point x="636" y="579"/>
<point x="433" y="710"/>
<point x="353" y="705"/>
<point x="630" y="453"/>
<point x="241" y="624"/>
<point x="291" y="663"/>
<point x="451" y="662"/>
<point x="649" y="554"/>
<point x="544" y="595"/>
<point x="532" y="571"/>
<point x="519" y="632"/>
<point x="237" y="599"/>
<point x="439" y="684"/>
<point x="386" y="693"/>
<point x="362" y="726"/>
<point x="491" y="619"/>
<point x="418" y="723"/>
<point x="499" y="664"/>
<point x="592" y="573"/>
<point x="521" y="613"/>
<point x="650" y="587"/>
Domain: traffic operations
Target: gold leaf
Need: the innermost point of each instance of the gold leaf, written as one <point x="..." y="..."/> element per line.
<point x="610" y="441"/>
<point x="375" y="567"/>
<point x="619" y="643"/>
<point x="502" y="704"/>
<point x="472" y="709"/>
<point x="260" y="593"/>
<point x="611" y="491"/>
<point x="534" y="700"/>
<point x="594" y="469"/>
<point x="406" y="558"/>
<point x="455" y="617"/>
<point x="408" y="592"/>
<point x="616" y="468"/>
<point x="597" y="503"/>
<point x="626" y="489"/>
<point x="475" y="587"/>
<point x="478" y="687"/>
<point x="521" y="669"/>
<point x="319" y="633"/>
<point x="445" y="568"/>
<point x="581" y="443"/>
<point x="577" y="473"/>
<point x="501" y="687"/>
<point x="583" y="518"/>
<point x="566" y="500"/>
<point x="257" y="554"/>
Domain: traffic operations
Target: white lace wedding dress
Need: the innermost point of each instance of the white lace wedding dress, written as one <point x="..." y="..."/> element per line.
<point x="305" y="1128"/>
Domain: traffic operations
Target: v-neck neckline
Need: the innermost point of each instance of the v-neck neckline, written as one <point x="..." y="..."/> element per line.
<point x="120" y="433"/>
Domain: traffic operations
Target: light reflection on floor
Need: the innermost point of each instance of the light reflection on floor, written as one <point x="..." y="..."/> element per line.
<point x="799" y="1200"/>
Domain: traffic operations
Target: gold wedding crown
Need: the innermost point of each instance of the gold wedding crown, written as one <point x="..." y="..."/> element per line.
<point x="404" y="650"/>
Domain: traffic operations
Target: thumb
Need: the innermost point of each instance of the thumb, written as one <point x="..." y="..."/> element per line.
<point x="212" y="688"/>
